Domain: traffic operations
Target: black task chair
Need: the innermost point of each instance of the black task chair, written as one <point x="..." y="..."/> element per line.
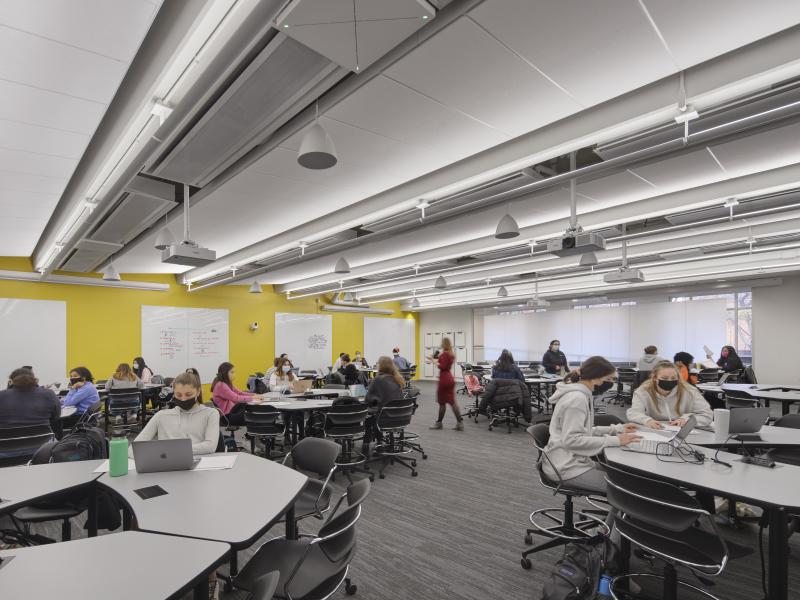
<point x="122" y="403"/>
<point x="607" y="420"/>
<point x="560" y="530"/>
<point x="626" y="378"/>
<point x="318" y="456"/>
<point x="749" y="376"/>
<point x="313" y="567"/>
<point x="506" y="408"/>
<point x="708" y="376"/>
<point x="264" y="587"/>
<point x="668" y="523"/>
<point x="736" y="399"/>
<point x="392" y="448"/>
<point x="639" y="378"/>
<point x="263" y="423"/>
<point x="344" y="424"/>
<point x="19" y="444"/>
<point x="409" y="437"/>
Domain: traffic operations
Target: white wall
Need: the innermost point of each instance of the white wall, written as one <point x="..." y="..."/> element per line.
<point x="443" y="321"/>
<point x="776" y="332"/>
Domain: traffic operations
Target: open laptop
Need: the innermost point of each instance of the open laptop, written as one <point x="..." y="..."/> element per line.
<point x="157" y="456"/>
<point x="300" y="386"/>
<point x="665" y="447"/>
<point x="747" y="422"/>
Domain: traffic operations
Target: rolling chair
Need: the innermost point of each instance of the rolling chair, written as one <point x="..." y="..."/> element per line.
<point x="409" y="437"/>
<point x="391" y="422"/>
<point x="122" y="403"/>
<point x="735" y="399"/>
<point x="708" y="376"/>
<point x="566" y="529"/>
<point x="625" y="377"/>
<point x="312" y="567"/>
<point x="318" y="456"/>
<point x="750" y="376"/>
<point x="19" y="444"/>
<point x="668" y="523"/>
<point x="344" y="424"/>
<point x="262" y="423"/>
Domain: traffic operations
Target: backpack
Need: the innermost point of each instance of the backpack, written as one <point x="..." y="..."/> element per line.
<point x="576" y="576"/>
<point x="82" y="443"/>
<point x="157" y="380"/>
<point x="257" y="385"/>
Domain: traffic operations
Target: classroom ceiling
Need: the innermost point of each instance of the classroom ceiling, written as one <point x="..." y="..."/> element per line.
<point x="498" y="72"/>
<point x="60" y="66"/>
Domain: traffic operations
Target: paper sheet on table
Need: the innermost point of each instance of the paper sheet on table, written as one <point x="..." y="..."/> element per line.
<point x="104" y="466"/>
<point x="213" y="463"/>
<point x="659" y="435"/>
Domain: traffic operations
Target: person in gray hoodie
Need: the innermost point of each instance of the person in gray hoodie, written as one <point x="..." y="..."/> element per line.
<point x="573" y="437"/>
<point x="650" y="359"/>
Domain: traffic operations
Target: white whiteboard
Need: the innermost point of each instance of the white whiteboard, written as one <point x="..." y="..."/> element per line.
<point x="306" y="338"/>
<point x="381" y="335"/>
<point x="34" y="332"/>
<point x="175" y="338"/>
<point x="618" y="333"/>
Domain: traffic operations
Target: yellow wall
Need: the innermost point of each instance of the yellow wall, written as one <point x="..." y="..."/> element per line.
<point x="104" y="324"/>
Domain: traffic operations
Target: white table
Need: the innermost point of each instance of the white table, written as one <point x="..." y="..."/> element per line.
<point x="785" y="394"/>
<point x="776" y="490"/>
<point x="60" y="570"/>
<point x="68" y="411"/>
<point x="771" y="437"/>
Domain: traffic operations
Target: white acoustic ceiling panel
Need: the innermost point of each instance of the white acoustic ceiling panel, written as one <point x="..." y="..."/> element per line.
<point x="353" y="33"/>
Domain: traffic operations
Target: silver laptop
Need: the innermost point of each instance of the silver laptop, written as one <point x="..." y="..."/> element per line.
<point x="668" y="445"/>
<point x="747" y="422"/>
<point x="164" y="455"/>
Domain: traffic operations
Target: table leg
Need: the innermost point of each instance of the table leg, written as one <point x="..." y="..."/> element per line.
<point x="778" y="576"/>
<point x="91" y="511"/>
<point x="201" y="591"/>
<point x="785" y="408"/>
<point x="233" y="564"/>
<point x="301" y="425"/>
<point x="291" y="526"/>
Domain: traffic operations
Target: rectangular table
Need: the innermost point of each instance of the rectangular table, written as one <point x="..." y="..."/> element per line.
<point x="107" y="566"/>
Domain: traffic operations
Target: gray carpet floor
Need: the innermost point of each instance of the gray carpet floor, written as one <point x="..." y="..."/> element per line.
<point x="456" y="530"/>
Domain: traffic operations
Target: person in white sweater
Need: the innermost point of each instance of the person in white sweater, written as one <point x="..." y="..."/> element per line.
<point x="283" y="378"/>
<point x="187" y="420"/>
<point x="666" y="397"/>
<point x="573" y="437"/>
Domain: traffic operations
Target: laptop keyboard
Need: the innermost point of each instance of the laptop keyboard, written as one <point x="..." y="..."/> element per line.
<point x="650" y="447"/>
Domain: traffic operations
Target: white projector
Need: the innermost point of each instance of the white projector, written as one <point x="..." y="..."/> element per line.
<point x="624" y="275"/>
<point x="538" y="303"/>
<point x="188" y="254"/>
<point x="572" y="245"/>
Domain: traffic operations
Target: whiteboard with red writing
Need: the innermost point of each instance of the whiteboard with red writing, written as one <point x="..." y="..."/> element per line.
<point x="175" y="338"/>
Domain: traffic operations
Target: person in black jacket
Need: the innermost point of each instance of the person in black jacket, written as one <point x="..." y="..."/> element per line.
<point x="506" y="368"/>
<point x="25" y="403"/>
<point x="554" y="361"/>
<point x="386" y="386"/>
<point x="349" y="370"/>
<point x="729" y="360"/>
<point x="501" y="393"/>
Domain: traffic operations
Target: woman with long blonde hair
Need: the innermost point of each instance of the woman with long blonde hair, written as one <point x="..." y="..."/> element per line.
<point x="666" y="397"/>
<point x="446" y="389"/>
<point x="124" y="378"/>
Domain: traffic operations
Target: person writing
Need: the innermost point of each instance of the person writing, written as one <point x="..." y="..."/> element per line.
<point x="506" y="368"/>
<point x="683" y="361"/>
<point x="25" y="403"/>
<point x="360" y="362"/>
<point x="189" y="418"/>
<point x="573" y="437"/>
<point x="123" y="379"/>
<point x="554" y="360"/>
<point x="82" y="394"/>
<point x="227" y="397"/>
<point x="729" y="360"/>
<point x="446" y="388"/>
<point x="665" y="397"/>
<point x="283" y="377"/>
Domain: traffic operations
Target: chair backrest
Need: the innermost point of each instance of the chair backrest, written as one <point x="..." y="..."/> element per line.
<point x="262" y="419"/>
<point x="315" y="454"/>
<point x="168" y="380"/>
<point x="345" y="412"/>
<point x="626" y="375"/>
<point x="264" y="587"/>
<point x="737" y="399"/>
<point x="708" y="375"/>
<point x="792" y="421"/>
<point x="395" y="414"/>
<point x="750" y="376"/>
<point x="19" y="444"/>
<point x="607" y="420"/>
<point x="124" y="400"/>
<point x="541" y="436"/>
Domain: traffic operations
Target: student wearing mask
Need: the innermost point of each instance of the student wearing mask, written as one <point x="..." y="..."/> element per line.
<point x="124" y="378"/>
<point x="446" y="388"/>
<point x="574" y="439"/>
<point x="385" y="387"/>
<point x="401" y="363"/>
<point x="729" y="360"/>
<point x="227" y="397"/>
<point x="683" y="361"/>
<point x="665" y="397"/>
<point x="360" y="361"/>
<point x="283" y="378"/>
<point x="25" y="403"/>
<point x="349" y="370"/>
<point x="142" y="371"/>
<point x="649" y="360"/>
<point x="82" y="394"/>
<point x="554" y="360"/>
<point x="506" y="368"/>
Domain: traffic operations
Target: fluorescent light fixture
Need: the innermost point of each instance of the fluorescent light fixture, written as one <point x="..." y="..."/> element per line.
<point x="342" y="266"/>
<point x="507" y="228"/>
<point x="164" y="240"/>
<point x="255" y="287"/>
<point x="441" y="283"/>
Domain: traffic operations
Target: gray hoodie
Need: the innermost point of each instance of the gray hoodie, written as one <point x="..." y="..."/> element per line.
<point x="648" y="362"/>
<point x="573" y="437"/>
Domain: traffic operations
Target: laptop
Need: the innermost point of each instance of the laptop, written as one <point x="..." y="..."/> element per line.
<point x="665" y="447"/>
<point x="300" y="386"/>
<point x="157" y="456"/>
<point x="747" y="422"/>
<point x="358" y="390"/>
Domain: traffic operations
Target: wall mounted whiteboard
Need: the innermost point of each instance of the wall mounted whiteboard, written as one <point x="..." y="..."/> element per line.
<point x="306" y="338"/>
<point x="381" y="335"/>
<point x="175" y="338"/>
<point x="618" y="333"/>
<point x="34" y="332"/>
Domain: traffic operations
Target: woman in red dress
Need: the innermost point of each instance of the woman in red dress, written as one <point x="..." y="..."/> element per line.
<point x="446" y="389"/>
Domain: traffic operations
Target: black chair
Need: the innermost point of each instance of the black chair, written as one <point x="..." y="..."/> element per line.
<point x="708" y="376"/>
<point x="607" y="420"/>
<point x="409" y="437"/>
<point x="736" y="399"/>
<point x="639" y="379"/>
<point x="344" y="424"/>
<point x="317" y="456"/>
<point x="625" y="377"/>
<point x="561" y="530"/>
<point x="263" y="423"/>
<point x="122" y="403"/>
<point x="392" y="448"/>
<point x="264" y="587"/>
<point x="667" y="523"/>
<point x="312" y="567"/>
<point x="19" y="444"/>
<point x="749" y="376"/>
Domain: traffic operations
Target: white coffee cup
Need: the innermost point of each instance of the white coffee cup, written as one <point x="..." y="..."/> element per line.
<point x="722" y="421"/>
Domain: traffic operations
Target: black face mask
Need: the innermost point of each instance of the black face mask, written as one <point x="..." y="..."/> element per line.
<point x="667" y="384"/>
<point x="184" y="404"/>
<point x="602" y="388"/>
<point x="74" y="380"/>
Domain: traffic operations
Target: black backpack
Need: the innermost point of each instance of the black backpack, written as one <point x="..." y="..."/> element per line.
<point x="577" y="575"/>
<point x="82" y="443"/>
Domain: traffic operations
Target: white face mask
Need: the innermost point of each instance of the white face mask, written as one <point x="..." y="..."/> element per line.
<point x="286" y="368"/>
<point x="135" y="365"/>
<point x="358" y="356"/>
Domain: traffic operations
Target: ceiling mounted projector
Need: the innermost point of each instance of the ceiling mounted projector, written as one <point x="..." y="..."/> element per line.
<point x="624" y="275"/>
<point x="574" y="244"/>
<point x="188" y="254"/>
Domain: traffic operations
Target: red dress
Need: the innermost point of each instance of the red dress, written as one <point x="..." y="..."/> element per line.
<point x="446" y="390"/>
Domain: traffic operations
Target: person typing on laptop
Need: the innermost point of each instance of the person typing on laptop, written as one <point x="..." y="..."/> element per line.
<point x="189" y="419"/>
<point x="283" y="378"/>
<point x="665" y="397"/>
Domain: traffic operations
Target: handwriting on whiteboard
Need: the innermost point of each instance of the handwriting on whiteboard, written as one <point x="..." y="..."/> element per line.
<point x="317" y="341"/>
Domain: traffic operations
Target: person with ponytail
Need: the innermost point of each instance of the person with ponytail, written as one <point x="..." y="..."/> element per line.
<point x="667" y="397"/>
<point x="574" y="439"/>
<point x="25" y="403"/>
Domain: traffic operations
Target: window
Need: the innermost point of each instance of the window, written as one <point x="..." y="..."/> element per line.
<point x="740" y="318"/>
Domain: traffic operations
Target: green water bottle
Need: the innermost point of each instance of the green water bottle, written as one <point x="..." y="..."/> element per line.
<point x="118" y="451"/>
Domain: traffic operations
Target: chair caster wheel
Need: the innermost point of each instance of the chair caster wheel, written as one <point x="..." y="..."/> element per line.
<point x="382" y="476"/>
<point x="371" y="478"/>
<point x="424" y="457"/>
<point x="526" y="564"/>
<point x="413" y="463"/>
<point x="414" y="473"/>
<point x="351" y="589"/>
<point x="490" y="428"/>
<point x="528" y="539"/>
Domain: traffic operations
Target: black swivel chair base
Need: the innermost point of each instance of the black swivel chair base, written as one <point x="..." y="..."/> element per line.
<point x="563" y="528"/>
<point x="350" y="460"/>
<point x="393" y="450"/>
<point x="670" y="588"/>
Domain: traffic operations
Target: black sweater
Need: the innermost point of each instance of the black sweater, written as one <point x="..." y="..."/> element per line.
<point x="351" y="374"/>
<point x="19" y="408"/>
<point x="730" y="363"/>
<point x="382" y="390"/>
<point x="551" y="361"/>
